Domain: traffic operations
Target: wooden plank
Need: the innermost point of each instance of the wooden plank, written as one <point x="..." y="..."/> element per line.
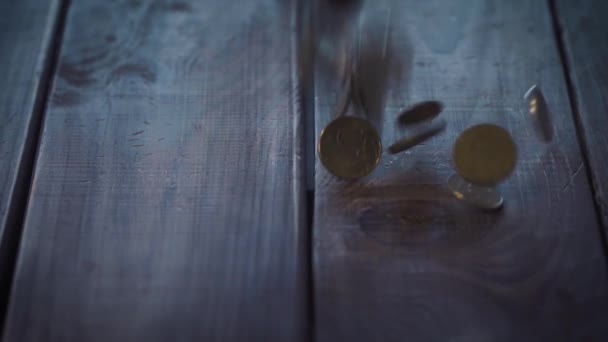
<point x="167" y="198"/>
<point x="584" y="32"/>
<point x="396" y="257"/>
<point x="26" y="34"/>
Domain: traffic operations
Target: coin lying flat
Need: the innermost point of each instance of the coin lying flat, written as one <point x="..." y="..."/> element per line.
<point x="478" y="196"/>
<point x="484" y="154"/>
<point x="349" y="147"/>
<point x="539" y="113"/>
<point x="418" y="137"/>
<point x="420" y="112"/>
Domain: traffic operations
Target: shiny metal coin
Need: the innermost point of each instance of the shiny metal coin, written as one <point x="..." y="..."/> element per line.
<point x="420" y="112"/>
<point x="349" y="147"/>
<point x="478" y="196"/>
<point x="416" y="138"/>
<point x="484" y="154"/>
<point x="539" y="113"/>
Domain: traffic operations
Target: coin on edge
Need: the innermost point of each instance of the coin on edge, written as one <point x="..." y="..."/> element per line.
<point x="484" y="154"/>
<point x="478" y="196"/>
<point x="539" y="113"/>
<point x="420" y="112"/>
<point x="349" y="147"/>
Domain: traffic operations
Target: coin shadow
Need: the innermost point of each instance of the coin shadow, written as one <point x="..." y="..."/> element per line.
<point x="394" y="183"/>
<point x="413" y="209"/>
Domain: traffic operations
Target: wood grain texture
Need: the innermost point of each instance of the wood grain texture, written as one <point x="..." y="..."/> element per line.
<point x="396" y="256"/>
<point x="26" y="32"/>
<point x="167" y="198"/>
<point x="584" y="32"/>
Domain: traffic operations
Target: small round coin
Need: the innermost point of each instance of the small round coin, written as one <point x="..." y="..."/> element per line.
<point x="484" y="154"/>
<point x="478" y="196"/>
<point x="349" y="147"/>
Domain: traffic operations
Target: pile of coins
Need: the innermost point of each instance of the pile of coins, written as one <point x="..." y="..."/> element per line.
<point x="483" y="155"/>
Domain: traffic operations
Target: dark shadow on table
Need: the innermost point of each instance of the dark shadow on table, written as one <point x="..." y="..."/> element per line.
<point x="408" y="210"/>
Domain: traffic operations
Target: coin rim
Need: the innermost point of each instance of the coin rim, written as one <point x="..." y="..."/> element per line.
<point x="468" y="201"/>
<point x="323" y="159"/>
<point x="477" y="182"/>
<point x="403" y="118"/>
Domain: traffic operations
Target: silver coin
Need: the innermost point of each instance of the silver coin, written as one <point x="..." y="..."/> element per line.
<point x="478" y="196"/>
<point x="537" y="107"/>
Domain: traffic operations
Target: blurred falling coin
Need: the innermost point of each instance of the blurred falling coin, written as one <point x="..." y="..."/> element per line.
<point x="539" y="113"/>
<point x="419" y="137"/>
<point x="420" y="112"/>
<point x="349" y="147"/>
<point x="484" y="154"/>
<point x="478" y="196"/>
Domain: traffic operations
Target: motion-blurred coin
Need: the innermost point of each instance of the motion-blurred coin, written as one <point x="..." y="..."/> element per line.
<point x="484" y="154"/>
<point x="334" y="54"/>
<point x="307" y="52"/>
<point x="478" y="196"/>
<point x="420" y="112"/>
<point x="539" y="113"/>
<point x="416" y="138"/>
<point x="349" y="147"/>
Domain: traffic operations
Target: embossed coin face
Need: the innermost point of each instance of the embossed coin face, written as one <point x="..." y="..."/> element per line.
<point x="349" y="147"/>
<point x="484" y="154"/>
<point x="478" y="196"/>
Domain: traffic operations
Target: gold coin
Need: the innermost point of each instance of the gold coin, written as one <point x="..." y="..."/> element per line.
<point x="484" y="154"/>
<point x="420" y="112"/>
<point x="349" y="147"/>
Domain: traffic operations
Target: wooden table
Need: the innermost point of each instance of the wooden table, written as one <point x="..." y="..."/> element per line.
<point x="159" y="179"/>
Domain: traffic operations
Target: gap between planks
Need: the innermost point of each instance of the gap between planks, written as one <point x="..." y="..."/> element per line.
<point x="19" y="202"/>
<point x="576" y="117"/>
